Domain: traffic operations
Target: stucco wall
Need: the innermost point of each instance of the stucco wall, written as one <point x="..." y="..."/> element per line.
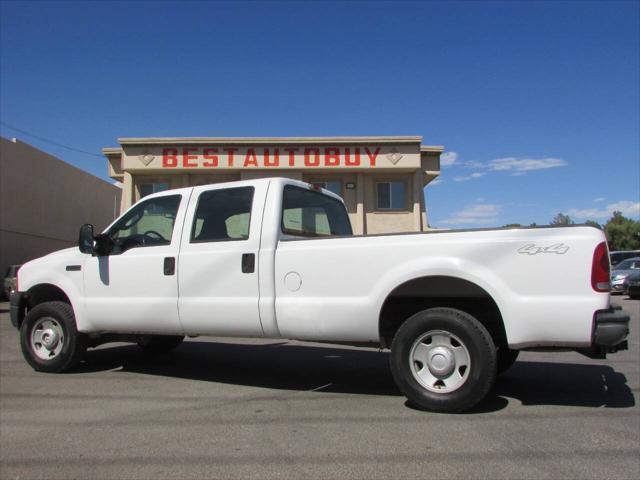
<point x="43" y="202"/>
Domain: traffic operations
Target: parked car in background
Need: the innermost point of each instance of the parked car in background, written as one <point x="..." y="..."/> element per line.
<point x="622" y="271"/>
<point x="632" y="285"/>
<point x="9" y="282"/>
<point x="620" y="255"/>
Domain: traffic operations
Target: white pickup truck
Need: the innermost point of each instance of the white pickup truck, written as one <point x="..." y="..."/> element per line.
<point x="276" y="258"/>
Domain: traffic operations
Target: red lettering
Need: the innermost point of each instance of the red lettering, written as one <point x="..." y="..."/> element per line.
<point x="169" y="157"/>
<point x="292" y="156"/>
<point x="210" y="154"/>
<point x="311" y="162"/>
<point x="372" y="156"/>
<point x="347" y="157"/>
<point x="230" y="152"/>
<point x="331" y="157"/>
<point x="276" y="158"/>
<point x="250" y="159"/>
<point x="186" y="157"/>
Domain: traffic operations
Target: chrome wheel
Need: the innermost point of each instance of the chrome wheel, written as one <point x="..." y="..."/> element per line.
<point x="47" y="338"/>
<point x="439" y="361"/>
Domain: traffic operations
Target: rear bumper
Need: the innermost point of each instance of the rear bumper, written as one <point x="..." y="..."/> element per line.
<point x="610" y="329"/>
<point x="18" y="304"/>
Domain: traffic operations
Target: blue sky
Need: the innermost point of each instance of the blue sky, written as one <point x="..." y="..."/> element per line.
<point x="537" y="103"/>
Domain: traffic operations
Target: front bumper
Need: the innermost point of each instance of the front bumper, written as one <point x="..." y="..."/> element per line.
<point x="610" y="329"/>
<point x="18" y="304"/>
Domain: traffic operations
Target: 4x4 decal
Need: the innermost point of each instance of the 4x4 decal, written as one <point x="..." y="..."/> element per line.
<point x="533" y="249"/>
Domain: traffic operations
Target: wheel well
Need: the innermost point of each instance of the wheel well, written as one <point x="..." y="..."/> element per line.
<point x="438" y="291"/>
<point x="45" y="292"/>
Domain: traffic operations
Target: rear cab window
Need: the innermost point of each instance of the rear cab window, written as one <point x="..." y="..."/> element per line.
<point x="310" y="214"/>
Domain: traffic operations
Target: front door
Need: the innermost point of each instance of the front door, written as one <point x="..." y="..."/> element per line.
<point x="133" y="286"/>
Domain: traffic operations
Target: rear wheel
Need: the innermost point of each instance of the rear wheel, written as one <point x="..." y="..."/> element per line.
<point x="49" y="338"/>
<point x="443" y="360"/>
<point x="160" y="343"/>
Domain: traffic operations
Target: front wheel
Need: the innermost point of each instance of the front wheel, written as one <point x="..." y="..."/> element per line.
<point x="443" y="360"/>
<point x="49" y="338"/>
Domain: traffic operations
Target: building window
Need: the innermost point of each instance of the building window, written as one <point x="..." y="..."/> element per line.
<point x="391" y="196"/>
<point x="333" y="186"/>
<point x="149" y="188"/>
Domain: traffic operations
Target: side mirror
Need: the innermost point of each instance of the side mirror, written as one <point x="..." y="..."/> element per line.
<point x="85" y="238"/>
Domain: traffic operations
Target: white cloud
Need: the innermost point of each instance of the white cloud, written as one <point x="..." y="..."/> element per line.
<point x="448" y="158"/>
<point x="474" y="164"/>
<point x="599" y="199"/>
<point x="516" y="166"/>
<point x="521" y="165"/>
<point x="483" y="214"/>
<point x="436" y="181"/>
<point x="628" y="209"/>
<point x="464" y="178"/>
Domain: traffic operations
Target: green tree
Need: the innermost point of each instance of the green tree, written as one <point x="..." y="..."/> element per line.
<point x="593" y="223"/>
<point x="561" y="219"/>
<point x="622" y="233"/>
<point x="512" y="225"/>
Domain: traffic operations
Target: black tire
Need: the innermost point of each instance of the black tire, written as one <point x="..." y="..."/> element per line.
<point x="73" y="344"/>
<point x="473" y="336"/>
<point x="160" y="343"/>
<point x="506" y="358"/>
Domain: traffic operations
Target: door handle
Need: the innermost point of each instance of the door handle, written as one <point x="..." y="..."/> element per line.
<point x="169" y="265"/>
<point x="248" y="262"/>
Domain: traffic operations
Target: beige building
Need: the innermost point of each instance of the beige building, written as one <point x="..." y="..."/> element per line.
<point x="381" y="179"/>
<point x="44" y="201"/>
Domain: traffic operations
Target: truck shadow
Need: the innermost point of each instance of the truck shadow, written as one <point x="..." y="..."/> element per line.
<point x="285" y="366"/>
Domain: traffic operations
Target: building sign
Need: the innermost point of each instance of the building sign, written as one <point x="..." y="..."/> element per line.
<point x="233" y="157"/>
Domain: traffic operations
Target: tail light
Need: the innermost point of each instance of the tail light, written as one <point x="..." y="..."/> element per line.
<point x="601" y="269"/>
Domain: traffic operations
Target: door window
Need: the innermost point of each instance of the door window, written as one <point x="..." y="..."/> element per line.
<point x="222" y="215"/>
<point x="148" y="224"/>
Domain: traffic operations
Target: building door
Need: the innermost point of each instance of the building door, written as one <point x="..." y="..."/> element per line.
<point x="218" y="264"/>
<point x="133" y="285"/>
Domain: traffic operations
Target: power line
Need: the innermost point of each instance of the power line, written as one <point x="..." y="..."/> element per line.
<point x="53" y="142"/>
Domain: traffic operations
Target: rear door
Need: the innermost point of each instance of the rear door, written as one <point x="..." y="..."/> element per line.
<point x="218" y="263"/>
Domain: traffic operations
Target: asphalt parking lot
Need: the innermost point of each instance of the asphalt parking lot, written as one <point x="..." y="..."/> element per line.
<point x="220" y="408"/>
